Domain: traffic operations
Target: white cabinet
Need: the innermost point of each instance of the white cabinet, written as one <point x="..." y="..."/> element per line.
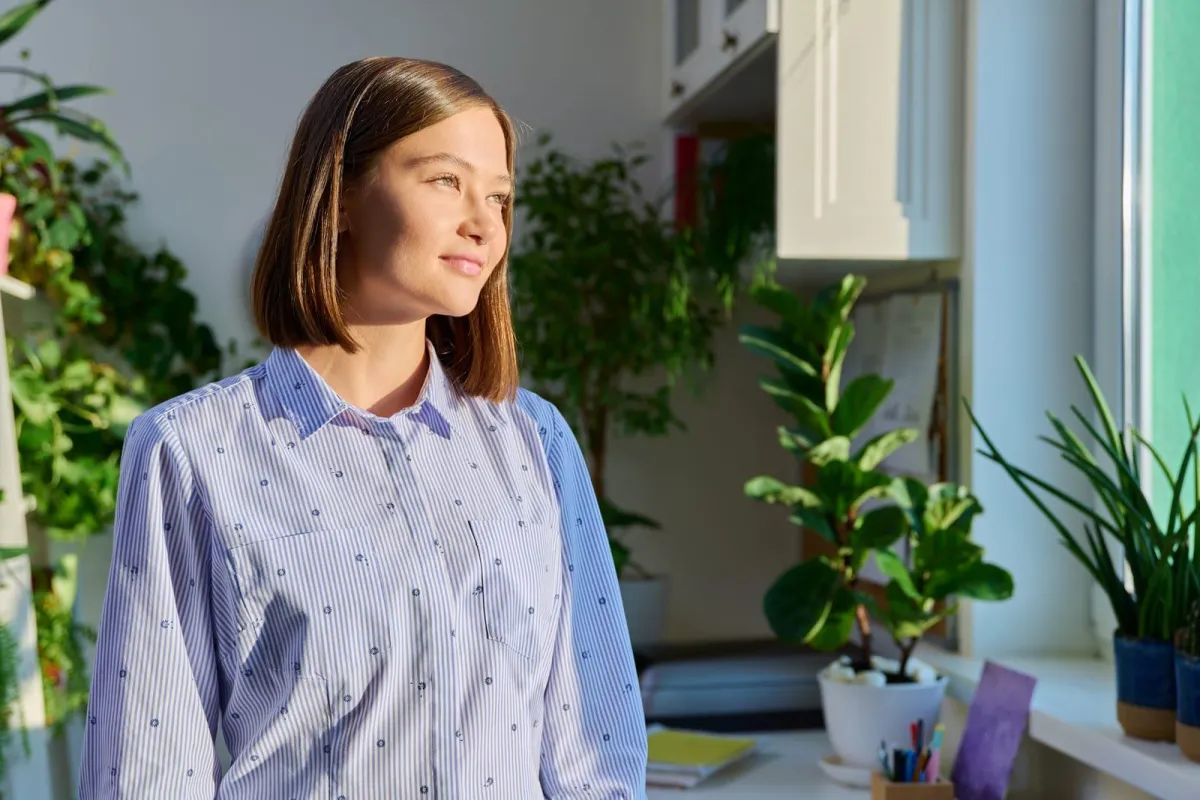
<point x="707" y="41"/>
<point x="869" y="129"/>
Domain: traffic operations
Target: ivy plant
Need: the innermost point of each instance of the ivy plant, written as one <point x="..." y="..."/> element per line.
<point x="114" y="331"/>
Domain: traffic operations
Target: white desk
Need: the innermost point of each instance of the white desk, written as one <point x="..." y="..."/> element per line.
<point x="785" y="766"/>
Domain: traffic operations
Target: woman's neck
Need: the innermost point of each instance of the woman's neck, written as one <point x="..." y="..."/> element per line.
<point x="387" y="373"/>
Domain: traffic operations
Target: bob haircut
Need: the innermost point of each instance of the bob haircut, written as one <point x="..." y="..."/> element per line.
<point x="360" y="110"/>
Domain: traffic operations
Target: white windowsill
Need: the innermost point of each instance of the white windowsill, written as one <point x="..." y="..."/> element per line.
<point x="1075" y="712"/>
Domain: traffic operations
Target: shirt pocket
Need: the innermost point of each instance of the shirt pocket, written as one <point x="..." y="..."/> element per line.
<point x="315" y="601"/>
<point x="521" y="568"/>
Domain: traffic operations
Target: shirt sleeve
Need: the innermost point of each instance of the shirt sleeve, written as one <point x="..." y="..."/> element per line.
<point x="594" y="737"/>
<point x="154" y="702"/>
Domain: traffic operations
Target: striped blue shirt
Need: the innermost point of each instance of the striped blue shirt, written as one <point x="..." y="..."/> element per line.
<point x="407" y="607"/>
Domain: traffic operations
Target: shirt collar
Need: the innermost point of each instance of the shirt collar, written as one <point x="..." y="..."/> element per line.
<point x="310" y="403"/>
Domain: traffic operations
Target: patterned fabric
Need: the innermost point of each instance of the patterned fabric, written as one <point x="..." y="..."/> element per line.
<point x="418" y="606"/>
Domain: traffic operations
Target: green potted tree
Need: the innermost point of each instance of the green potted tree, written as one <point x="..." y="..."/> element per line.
<point x="614" y="306"/>
<point x="1152" y="546"/>
<point x="918" y="535"/>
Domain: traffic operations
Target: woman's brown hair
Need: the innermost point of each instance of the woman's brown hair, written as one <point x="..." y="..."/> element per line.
<point x="360" y="110"/>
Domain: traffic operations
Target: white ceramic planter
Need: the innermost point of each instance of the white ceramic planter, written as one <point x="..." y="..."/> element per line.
<point x="858" y="717"/>
<point x="645" y="601"/>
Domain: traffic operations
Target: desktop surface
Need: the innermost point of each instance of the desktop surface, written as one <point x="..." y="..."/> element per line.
<point x="784" y="766"/>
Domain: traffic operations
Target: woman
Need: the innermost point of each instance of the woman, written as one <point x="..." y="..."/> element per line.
<point x="377" y="561"/>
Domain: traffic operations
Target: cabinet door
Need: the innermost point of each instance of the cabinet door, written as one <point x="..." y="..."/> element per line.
<point x="745" y="24"/>
<point x="689" y="30"/>
<point x="868" y="129"/>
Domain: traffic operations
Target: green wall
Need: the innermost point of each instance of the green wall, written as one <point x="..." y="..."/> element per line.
<point x="1174" y="225"/>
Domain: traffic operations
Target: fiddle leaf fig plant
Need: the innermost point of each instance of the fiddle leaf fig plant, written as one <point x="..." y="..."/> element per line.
<point x="918" y="535"/>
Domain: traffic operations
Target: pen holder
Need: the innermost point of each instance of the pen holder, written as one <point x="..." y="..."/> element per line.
<point x="883" y="789"/>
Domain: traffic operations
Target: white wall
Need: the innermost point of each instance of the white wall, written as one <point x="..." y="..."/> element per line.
<point x="1028" y="277"/>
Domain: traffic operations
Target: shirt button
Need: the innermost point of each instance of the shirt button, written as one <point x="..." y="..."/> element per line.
<point x="424" y="790"/>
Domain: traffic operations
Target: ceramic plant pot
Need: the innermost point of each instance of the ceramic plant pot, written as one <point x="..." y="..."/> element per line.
<point x="1146" y="696"/>
<point x="1187" y="713"/>
<point x="858" y="716"/>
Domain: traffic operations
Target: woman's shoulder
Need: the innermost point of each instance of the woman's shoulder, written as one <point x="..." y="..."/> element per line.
<point x="202" y="407"/>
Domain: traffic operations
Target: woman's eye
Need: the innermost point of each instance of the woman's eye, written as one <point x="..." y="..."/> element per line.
<point x="501" y="199"/>
<point x="446" y="180"/>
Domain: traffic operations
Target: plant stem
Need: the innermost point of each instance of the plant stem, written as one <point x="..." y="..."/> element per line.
<point x="906" y="651"/>
<point x="864" y="629"/>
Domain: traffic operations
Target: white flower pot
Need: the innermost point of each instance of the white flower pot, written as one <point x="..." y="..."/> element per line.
<point x="859" y="717"/>
<point x="645" y="601"/>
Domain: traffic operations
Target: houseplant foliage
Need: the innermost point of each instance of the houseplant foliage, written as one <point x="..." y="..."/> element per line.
<point x="1158" y="546"/>
<point x="614" y="306"/>
<point x="850" y="502"/>
<point x="114" y="331"/>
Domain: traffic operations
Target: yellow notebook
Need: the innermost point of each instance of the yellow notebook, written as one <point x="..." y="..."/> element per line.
<point x="687" y="750"/>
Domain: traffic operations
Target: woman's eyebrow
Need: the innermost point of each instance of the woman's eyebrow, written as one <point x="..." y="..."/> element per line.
<point x="450" y="158"/>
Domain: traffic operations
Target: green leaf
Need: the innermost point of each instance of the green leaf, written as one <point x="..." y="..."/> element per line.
<point x="798" y="603"/>
<point x="839" y="622"/>
<point x="49" y="352"/>
<point x="772" y="490"/>
<point x="859" y="402"/>
<point x="834" y="449"/>
<point x="813" y="519"/>
<point x="59" y="94"/>
<point x="794" y="440"/>
<point x="904" y="617"/>
<point x="948" y="506"/>
<point x="880" y="528"/>
<point x="16" y="18"/>
<point x="810" y="415"/>
<point x="891" y="565"/>
<point x="776" y="347"/>
<point x="880" y="447"/>
<point x="979" y="581"/>
<point x="85" y="130"/>
<point x="835" y="356"/>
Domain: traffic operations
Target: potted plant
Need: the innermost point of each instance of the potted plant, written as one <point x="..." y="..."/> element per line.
<point x="1187" y="685"/>
<point x="1151" y="547"/>
<point x="918" y="535"/>
<point x="614" y="307"/>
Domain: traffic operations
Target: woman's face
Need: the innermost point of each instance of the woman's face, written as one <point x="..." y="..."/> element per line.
<point x="424" y="234"/>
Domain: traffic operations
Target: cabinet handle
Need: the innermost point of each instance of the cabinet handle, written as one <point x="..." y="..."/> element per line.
<point x="730" y="41"/>
<point x="676" y="89"/>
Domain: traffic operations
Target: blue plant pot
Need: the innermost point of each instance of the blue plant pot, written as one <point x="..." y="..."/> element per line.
<point x="1146" y="693"/>
<point x="1187" y="690"/>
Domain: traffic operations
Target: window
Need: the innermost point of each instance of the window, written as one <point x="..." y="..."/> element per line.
<point x="1160" y="252"/>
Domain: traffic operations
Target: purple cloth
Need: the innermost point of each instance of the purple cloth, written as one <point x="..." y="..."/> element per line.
<point x="995" y="725"/>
